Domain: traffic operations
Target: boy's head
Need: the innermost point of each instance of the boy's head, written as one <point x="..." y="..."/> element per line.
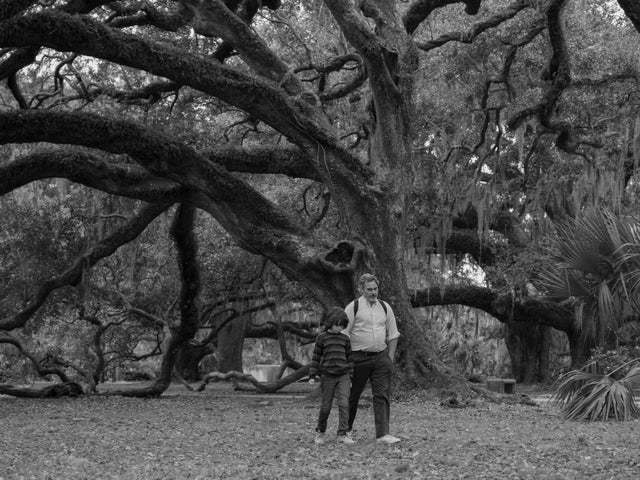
<point x="336" y="317"/>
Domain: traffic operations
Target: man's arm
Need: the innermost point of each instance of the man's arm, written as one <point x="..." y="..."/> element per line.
<point x="348" y="354"/>
<point x="391" y="346"/>
<point x="392" y="333"/>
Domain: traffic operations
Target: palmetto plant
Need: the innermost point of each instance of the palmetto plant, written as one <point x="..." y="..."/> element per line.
<point x="583" y="395"/>
<point x="596" y="266"/>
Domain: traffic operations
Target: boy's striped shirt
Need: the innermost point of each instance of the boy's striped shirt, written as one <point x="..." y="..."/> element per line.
<point x="332" y="354"/>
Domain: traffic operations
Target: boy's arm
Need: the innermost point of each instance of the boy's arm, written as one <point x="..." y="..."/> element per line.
<point x="315" y="358"/>
<point x="348" y="352"/>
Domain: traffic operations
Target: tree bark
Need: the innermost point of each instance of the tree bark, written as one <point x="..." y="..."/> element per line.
<point x="188" y="360"/>
<point x="230" y="345"/>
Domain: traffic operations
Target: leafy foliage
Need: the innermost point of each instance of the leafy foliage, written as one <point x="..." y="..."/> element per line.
<point x="594" y="265"/>
<point x="583" y="395"/>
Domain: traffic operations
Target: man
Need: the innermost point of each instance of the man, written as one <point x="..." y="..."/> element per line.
<point x="374" y="337"/>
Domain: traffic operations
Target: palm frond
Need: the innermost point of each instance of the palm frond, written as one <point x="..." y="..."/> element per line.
<point x="632" y="379"/>
<point x="595" y="397"/>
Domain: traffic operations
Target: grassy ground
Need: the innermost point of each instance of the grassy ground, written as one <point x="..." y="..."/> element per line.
<point x="221" y="434"/>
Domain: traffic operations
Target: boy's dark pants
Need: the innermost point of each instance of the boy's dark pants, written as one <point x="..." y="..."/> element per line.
<point x="338" y="386"/>
<point x="378" y="368"/>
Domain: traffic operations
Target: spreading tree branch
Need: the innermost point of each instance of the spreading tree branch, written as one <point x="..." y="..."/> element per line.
<point x="477" y="28"/>
<point x="420" y="10"/>
<point x="92" y="170"/>
<point x="72" y="276"/>
<point x="40" y="365"/>
<point x="505" y="308"/>
<point x="263" y="387"/>
<point x="156" y="152"/>
<point x="290" y="161"/>
<point x="294" y="117"/>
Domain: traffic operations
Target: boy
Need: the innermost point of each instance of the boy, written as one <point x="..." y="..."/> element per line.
<point x="332" y="358"/>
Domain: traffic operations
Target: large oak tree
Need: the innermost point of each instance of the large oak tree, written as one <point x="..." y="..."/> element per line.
<point x="369" y="172"/>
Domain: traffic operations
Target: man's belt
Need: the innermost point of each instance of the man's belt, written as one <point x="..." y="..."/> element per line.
<point x="367" y="353"/>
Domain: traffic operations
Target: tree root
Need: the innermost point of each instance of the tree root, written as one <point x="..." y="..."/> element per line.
<point x="262" y="387"/>
<point x="66" y="389"/>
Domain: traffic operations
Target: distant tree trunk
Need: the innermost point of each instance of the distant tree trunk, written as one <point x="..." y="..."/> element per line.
<point x="230" y="345"/>
<point x="189" y="358"/>
<point x="580" y="348"/>
<point x="529" y="351"/>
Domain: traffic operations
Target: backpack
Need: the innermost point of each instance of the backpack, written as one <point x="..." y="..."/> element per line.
<point x="356" y="305"/>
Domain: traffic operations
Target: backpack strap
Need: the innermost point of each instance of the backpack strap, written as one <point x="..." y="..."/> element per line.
<point x="355" y="307"/>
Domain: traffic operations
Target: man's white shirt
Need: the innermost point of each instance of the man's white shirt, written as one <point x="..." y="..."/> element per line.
<point x="371" y="329"/>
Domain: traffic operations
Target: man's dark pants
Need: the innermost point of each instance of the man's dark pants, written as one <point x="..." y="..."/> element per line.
<point x="378" y="368"/>
<point x="338" y="386"/>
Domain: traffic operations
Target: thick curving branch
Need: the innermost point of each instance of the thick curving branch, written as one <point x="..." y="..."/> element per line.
<point x="92" y="170"/>
<point x="20" y="58"/>
<point x="145" y="13"/>
<point x="214" y="16"/>
<point x="269" y="330"/>
<point x="505" y="308"/>
<point x="369" y="45"/>
<point x="156" y="152"/>
<point x="57" y="390"/>
<point x="263" y="387"/>
<point x="150" y="92"/>
<point x="343" y="89"/>
<point x="558" y="76"/>
<point x="73" y="275"/>
<point x="420" y="10"/>
<point x="290" y="161"/>
<point x="477" y="28"/>
<point x="291" y="116"/>
<point x="40" y="365"/>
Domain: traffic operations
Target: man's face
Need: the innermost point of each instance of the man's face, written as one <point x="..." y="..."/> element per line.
<point x="370" y="291"/>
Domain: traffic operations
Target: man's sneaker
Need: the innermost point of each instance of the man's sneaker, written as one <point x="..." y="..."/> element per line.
<point x="346" y="439"/>
<point x="388" y="439"/>
<point x="320" y="438"/>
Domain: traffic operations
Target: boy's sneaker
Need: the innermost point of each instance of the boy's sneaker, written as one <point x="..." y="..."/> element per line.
<point x="346" y="439"/>
<point x="320" y="438"/>
<point x="388" y="439"/>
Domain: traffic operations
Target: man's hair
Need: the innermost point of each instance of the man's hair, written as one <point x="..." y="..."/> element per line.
<point x="366" y="278"/>
<point x="335" y="316"/>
